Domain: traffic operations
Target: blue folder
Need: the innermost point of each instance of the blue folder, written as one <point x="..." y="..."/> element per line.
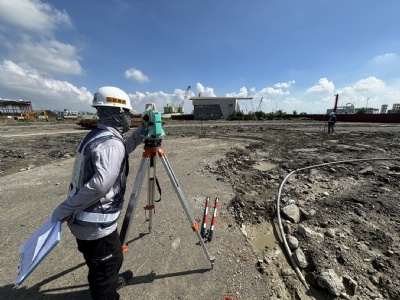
<point x="36" y="248"/>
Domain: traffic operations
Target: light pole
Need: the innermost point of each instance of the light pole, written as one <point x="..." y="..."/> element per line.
<point x="366" y="106"/>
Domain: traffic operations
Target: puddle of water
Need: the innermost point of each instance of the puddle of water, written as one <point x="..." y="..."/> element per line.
<point x="264" y="166"/>
<point x="261" y="237"/>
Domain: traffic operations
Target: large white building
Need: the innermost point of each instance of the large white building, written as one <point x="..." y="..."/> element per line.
<point x="215" y="108"/>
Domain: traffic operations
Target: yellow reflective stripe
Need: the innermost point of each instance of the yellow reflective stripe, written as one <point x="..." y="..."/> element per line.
<point x="115" y="100"/>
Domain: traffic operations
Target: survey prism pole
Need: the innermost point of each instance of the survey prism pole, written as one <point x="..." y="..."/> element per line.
<point x="205" y="217"/>
<point x="214" y="219"/>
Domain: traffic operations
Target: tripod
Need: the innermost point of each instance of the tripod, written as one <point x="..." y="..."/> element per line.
<point x="148" y="164"/>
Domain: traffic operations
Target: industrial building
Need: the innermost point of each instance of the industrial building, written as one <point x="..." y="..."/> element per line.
<point x="395" y="108"/>
<point x="350" y="109"/>
<point x="215" y="108"/>
<point x="14" y="107"/>
<point x="343" y="110"/>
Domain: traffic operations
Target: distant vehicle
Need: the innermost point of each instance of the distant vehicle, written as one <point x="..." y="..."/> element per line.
<point x="303" y="113"/>
<point x="33" y="114"/>
<point x="21" y="117"/>
<point x="59" y="118"/>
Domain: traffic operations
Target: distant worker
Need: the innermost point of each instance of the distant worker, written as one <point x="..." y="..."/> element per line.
<point x="96" y="193"/>
<point x="331" y="123"/>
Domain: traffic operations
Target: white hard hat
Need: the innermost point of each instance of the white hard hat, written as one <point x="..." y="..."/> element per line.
<point x="112" y="97"/>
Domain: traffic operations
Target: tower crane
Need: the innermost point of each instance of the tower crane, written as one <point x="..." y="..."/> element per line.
<point x="259" y="105"/>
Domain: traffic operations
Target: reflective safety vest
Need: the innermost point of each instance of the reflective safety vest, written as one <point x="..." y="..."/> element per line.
<point x="97" y="214"/>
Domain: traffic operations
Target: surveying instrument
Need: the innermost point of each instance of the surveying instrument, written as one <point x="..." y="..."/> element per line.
<point x="152" y="135"/>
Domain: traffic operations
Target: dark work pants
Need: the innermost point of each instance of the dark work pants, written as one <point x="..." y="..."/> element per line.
<point x="330" y="127"/>
<point x="104" y="259"/>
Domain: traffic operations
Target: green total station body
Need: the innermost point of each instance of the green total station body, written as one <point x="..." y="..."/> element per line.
<point x="152" y="124"/>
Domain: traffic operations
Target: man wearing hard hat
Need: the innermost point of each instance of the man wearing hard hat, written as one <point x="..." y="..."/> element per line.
<point x="331" y="123"/>
<point x="96" y="193"/>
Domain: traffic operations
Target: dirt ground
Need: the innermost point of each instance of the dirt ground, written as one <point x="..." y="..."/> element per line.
<point x="337" y="198"/>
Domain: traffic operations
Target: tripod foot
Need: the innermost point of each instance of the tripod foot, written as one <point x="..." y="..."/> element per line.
<point x="212" y="261"/>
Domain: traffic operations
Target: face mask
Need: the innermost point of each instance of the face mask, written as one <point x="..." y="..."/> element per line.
<point x="126" y="121"/>
<point x="115" y="117"/>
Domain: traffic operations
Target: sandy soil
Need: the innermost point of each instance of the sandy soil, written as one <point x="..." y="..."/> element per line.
<point x="339" y="209"/>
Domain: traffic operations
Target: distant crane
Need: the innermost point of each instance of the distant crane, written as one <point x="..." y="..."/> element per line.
<point x="251" y="102"/>
<point x="180" y="108"/>
<point x="259" y="105"/>
<point x="336" y="102"/>
<point x="185" y="97"/>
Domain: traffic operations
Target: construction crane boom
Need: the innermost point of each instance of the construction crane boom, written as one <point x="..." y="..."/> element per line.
<point x="259" y="105"/>
<point x="336" y="102"/>
<point x="185" y="97"/>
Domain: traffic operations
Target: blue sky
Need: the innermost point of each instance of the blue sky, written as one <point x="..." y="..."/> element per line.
<point x="295" y="55"/>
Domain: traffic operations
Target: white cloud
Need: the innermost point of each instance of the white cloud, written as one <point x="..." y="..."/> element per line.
<point x="272" y="91"/>
<point x="284" y="85"/>
<point x="205" y="91"/>
<point x="324" y="85"/>
<point x="384" y="59"/>
<point x="370" y="88"/>
<point x="269" y="95"/>
<point x="49" y="55"/>
<point x="363" y="87"/>
<point x="44" y="91"/>
<point x="160" y="99"/>
<point x="392" y="96"/>
<point x="319" y="98"/>
<point x="370" y="83"/>
<point x="32" y="15"/>
<point x="136" y="75"/>
<point x="243" y="92"/>
<point x="26" y="33"/>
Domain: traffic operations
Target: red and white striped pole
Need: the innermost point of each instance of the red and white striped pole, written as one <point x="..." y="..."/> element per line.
<point x="203" y="230"/>
<point x="214" y="219"/>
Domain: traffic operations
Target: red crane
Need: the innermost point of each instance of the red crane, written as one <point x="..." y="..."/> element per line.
<point x="336" y="102"/>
